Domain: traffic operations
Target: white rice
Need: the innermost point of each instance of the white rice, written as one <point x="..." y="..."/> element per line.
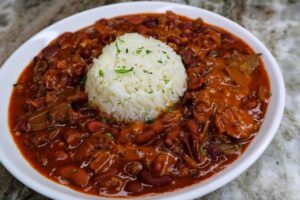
<point x="136" y="78"/>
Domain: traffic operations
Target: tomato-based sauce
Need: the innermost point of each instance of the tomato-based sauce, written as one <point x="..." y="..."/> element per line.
<point x="74" y="144"/>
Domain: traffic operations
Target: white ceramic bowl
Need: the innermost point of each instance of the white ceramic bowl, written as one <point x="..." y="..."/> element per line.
<point x="14" y="162"/>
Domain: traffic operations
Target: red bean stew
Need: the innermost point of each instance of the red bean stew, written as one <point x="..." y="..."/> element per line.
<point x="73" y="144"/>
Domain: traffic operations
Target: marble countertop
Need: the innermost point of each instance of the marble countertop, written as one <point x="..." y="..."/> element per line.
<point x="276" y="175"/>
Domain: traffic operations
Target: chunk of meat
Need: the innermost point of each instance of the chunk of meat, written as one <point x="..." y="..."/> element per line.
<point x="163" y="164"/>
<point x="195" y="78"/>
<point x="234" y="122"/>
<point x="101" y="162"/>
<point x="95" y="142"/>
<point x="124" y="136"/>
<point x="75" y="174"/>
<point x="202" y="112"/>
<point x="74" y="137"/>
<point x="42" y="138"/>
<point x="172" y="136"/>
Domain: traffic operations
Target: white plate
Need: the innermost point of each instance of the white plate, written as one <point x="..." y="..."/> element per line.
<point x="14" y="162"/>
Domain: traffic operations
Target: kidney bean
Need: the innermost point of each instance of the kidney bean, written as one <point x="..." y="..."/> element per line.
<point x="250" y="103"/>
<point x="142" y="29"/>
<point x="134" y="187"/>
<point x="172" y="136"/>
<point x="60" y="155"/>
<point x="75" y="174"/>
<point x="151" y="23"/>
<point x="109" y="173"/>
<point x="213" y="152"/>
<point x="145" y="177"/>
<point x="50" y="51"/>
<point x="145" y="137"/>
<point x="78" y="96"/>
<point x="101" y="162"/>
<point x="135" y="20"/>
<point x="192" y="126"/>
<point x="94" y="126"/>
<point x="133" y="168"/>
<point x="192" y="145"/>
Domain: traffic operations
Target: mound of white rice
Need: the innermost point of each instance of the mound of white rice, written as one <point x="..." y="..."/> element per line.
<point x="135" y="78"/>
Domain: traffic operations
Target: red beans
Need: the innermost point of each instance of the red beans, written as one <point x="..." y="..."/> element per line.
<point x="134" y="187"/>
<point x="146" y="177"/>
<point x="94" y="126"/>
<point x="107" y="174"/>
<point x="145" y="137"/>
<point x="172" y="136"/>
<point x="75" y="174"/>
<point x="71" y="141"/>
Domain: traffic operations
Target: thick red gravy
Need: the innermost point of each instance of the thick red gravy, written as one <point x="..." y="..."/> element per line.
<point x="71" y="143"/>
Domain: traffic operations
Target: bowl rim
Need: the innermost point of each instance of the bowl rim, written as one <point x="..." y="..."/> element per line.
<point x="192" y="192"/>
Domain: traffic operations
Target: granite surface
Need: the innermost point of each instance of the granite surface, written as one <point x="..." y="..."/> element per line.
<point x="276" y="175"/>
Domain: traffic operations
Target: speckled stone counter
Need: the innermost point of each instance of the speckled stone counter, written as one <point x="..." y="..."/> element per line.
<point x="276" y="175"/>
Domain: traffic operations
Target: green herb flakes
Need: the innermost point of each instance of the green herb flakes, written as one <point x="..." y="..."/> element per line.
<point x="159" y="61"/>
<point x="83" y="80"/>
<point x="118" y="49"/>
<point x="123" y="70"/>
<point x="101" y="73"/>
<point x="148" y="51"/>
<point x="147" y="72"/>
<point x="139" y="50"/>
<point x="149" y="120"/>
<point x="166" y="80"/>
<point x="110" y="136"/>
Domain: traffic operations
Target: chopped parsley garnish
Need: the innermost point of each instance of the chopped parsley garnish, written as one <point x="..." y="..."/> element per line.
<point x="166" y="80"/>
<point x="126" y="50"/>
<point x="110" y="135"/>
<point x="236" y="146"/>
<point x="104" y="120"/>
<point x="202" y="151"/>
<point x="118" y="49"/>
<point x="149" y="120"/>
<point x="73" y="171"/>
<point x="270" y="94"/>
<point x="147" y="72"/>
<point x="83" y="80"/>
<point x="123" y="70"/>
<point x="121" y="40"/>
<point x="159" y="61"/>
<point x="148" y="51"/>
<point x="139" y="50"/>
<point x="101" y="73"/>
